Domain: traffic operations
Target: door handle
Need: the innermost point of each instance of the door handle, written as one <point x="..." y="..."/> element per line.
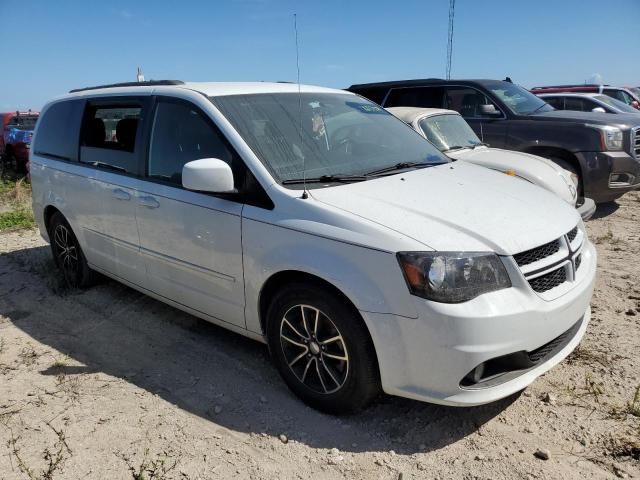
<point x="121" y="194"/>
<point x="149" y="202"/>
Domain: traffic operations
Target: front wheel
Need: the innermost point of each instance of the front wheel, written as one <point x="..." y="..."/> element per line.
<point x="322" y="349"/>
<point x="68" y="254"/>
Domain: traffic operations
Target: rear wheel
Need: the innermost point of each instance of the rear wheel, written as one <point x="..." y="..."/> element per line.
<point x="322" y="349"/>
<point x="68" y="254"/>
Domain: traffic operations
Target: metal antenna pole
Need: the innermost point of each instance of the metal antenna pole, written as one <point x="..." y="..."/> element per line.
<point x="452" y="7"/>
<point x="304" y="169"/>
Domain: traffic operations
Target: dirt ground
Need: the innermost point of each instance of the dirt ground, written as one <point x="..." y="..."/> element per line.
<point x="110" y="384"/>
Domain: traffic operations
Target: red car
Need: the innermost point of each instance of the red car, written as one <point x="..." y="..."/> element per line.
<point x="16" y="131"/>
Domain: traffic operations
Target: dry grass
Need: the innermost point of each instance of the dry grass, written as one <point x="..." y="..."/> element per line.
<point x="15" y="203"/>
<point x="151" y="469"/>
<point x="28" y="355"/>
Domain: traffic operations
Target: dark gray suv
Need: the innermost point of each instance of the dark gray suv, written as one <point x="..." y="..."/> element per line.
<point x="604" y="151"/>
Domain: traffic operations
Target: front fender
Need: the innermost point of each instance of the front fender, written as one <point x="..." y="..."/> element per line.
<point x="371" y="279"/>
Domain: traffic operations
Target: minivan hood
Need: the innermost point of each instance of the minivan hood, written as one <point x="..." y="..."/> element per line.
<point x="457" y="207"/>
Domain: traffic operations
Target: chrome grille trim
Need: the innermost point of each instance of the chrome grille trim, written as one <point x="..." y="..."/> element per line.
<point x="635" y="143"/>
<point x="553" y="264"/>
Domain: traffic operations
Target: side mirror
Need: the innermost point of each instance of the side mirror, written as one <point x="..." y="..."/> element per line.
<point x="208" y="175"/>
<point x="490" y="110"/>
<point x="635" y="104"/>
<point x="599" y="110"/>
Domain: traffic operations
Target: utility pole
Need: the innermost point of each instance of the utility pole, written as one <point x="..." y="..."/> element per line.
<point x="452" y="7"/>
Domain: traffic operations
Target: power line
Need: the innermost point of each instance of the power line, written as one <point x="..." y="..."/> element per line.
<point x="452" y="7"/>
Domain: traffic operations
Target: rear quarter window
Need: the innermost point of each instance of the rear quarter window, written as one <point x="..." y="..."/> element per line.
<point x="58" y="131"/>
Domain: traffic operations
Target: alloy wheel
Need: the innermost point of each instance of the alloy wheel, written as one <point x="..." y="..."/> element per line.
<point x="67" y="253"/>
<point x="314" y="349"/>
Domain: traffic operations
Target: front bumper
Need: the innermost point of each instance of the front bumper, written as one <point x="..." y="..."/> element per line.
<point x="608" y="175"/>
<point x="587" y="209"/>
<point x="427" y="358"/>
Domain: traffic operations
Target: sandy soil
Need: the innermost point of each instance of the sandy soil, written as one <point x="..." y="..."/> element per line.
<point x="108" y="383"/>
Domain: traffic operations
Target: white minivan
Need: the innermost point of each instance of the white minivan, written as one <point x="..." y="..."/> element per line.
<point x="313" y="220"/>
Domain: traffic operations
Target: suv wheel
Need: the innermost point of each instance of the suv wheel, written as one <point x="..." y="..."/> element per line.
<point x="322" y="349"/>
<point x="68" y="254"/>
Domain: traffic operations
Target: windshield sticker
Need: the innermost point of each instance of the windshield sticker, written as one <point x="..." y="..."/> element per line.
<point x="366" y="107"/>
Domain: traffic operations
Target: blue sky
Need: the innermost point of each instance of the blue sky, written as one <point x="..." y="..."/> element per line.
<point x="49" y="47"/>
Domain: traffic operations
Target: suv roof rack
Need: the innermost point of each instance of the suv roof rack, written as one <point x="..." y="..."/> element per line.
<point x="150" y="83"/>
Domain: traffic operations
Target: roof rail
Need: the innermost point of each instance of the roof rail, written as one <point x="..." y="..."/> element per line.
<point x="150" y="83"/>
<point x="574" y="85"/>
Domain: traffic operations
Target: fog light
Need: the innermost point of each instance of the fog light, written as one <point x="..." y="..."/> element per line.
<point x="475" y="375"/>
<point x="620" y="179"/>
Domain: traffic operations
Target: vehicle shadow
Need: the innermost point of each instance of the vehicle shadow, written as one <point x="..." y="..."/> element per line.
<point x="605" y="209"/>
<point x="197" y="366"/>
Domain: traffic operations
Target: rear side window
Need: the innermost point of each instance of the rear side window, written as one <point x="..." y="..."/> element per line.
<point x="415" y="97"/>
<point x="112" y="128"/>
<point x="555" y="102"/>
<point x="109" y="135"/>
<point x="58" y="131"/>
<point x="180" y="134"/>
<point x="576" y="104"/>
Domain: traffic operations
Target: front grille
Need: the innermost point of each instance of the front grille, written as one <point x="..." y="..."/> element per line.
<point x="635" y="142"/>
<point x="572" y="234"/>
<point x="549" y="280"/>
<point x="578" y="261"/>
<point x="538" y="253"/>
<point x="542" y="352"/>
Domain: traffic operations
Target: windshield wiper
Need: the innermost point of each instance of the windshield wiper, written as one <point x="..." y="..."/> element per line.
<point x="400" y="166"/>
<point x="480" y="145"/>
<point x="338" y="177"/>
<point x="534" y="111"/>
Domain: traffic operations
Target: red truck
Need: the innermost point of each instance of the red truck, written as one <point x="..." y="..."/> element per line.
<point x="16" y="131"/>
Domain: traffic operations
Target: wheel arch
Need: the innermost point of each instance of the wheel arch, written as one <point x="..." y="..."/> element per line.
<point x="285" y="277"/>
<point x="559" y="153"/>
<point x="48" y="212"/>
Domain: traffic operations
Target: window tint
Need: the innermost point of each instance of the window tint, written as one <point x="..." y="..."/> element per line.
<point x="466" y="101"/>
<point x="415" y="97"/>
<point x="555" y="102"/>
<point x="112" y="128"/>
<point x="181" y="134"/>
<point x="23" y="122"/>
<point x="619" y="95"/>
<point x="578" y="104"/>
<point x="58" y="129"/>
<point x="109" y="136"/>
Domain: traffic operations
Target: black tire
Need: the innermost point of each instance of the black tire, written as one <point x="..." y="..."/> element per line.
<point x="68" y="255"/>
<point x="330" y="384"/>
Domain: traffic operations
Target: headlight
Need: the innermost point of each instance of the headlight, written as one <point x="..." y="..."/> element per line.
<point x="452" y="277"/>
<point x="610" y="137"/>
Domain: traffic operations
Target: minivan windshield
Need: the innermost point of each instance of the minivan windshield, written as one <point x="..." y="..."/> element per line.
<point x="324" y="135"/>
<point x="519" y="100"/>
<point x="449" y="132"/>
